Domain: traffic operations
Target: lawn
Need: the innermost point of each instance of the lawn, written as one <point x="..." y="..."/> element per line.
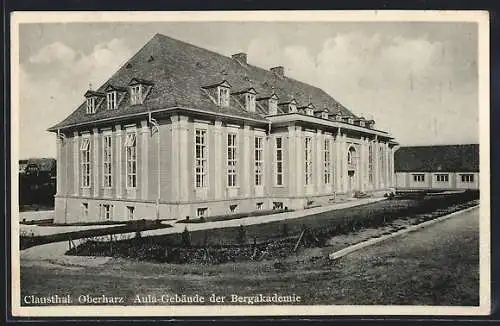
<point x="434" y="266"/>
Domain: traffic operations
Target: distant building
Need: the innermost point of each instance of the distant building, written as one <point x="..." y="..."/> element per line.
<point x="437" y="167"/>
<point x="37" y="181"/>
<point x="182" y="131"/>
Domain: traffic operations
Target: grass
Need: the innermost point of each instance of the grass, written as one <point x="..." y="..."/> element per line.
<point x="359" y="215"/>
<point x="433" y="266"/>
<point x="135" y="226"/>
<point x="228" y="217"/>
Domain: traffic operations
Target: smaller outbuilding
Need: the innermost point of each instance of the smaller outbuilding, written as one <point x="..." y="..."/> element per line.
<point x="437" y="167"/>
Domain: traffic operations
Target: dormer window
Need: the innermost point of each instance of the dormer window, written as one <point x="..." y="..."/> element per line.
<point x="136" y="94"/>
<point x="350" y="120"/>
<point x="111" y="100"/>
<point x="324" y="115"/>
<point x="292" y="107"/>
<point x="250" y="102"/>
<point x="139" y="88"/>
<point x="93" y="101"/>
<point x="309" y="111"/>
<point x="91" y="105"/>
<point x="223" y="96"/>
<point x="273" y="106"/>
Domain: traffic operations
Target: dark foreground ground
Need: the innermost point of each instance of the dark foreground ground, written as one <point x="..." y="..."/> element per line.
<point x="438" y="265"/>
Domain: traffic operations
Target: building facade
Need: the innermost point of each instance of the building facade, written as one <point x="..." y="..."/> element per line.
<point x="447" y="167"/>
<point x="182" y="131"/>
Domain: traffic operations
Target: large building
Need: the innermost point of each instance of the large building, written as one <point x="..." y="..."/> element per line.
<point x="182" y="131"/>
<point x="437" y="167"/>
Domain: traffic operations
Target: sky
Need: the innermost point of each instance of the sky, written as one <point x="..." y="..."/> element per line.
<point x="418" y="80"/>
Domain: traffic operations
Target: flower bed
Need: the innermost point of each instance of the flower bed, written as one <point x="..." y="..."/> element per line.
<point x="201" y="247"/>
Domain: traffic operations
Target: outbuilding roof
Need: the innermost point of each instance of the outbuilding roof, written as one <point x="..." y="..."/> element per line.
<point x="446" y="158"/>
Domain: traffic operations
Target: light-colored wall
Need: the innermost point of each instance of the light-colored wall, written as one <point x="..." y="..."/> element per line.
<point x="405" y="180"/>
<point x="178" y="195"/>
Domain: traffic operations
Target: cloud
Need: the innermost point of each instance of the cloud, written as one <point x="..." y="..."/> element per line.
<point x="52" y="84"/>
<point x="415" y="88"/>
<point x="55" y="52"/>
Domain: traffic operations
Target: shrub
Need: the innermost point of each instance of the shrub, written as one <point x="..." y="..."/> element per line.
<point x="242" y="234"/>
<point x="205" y="238"/>
<point x="285" y="229"/>
<point x="186" y="238"/>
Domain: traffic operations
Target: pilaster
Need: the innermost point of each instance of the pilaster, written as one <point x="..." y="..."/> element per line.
<point x="76" y="163"/>
<point x="376" y="172"/>
<point x="59" y="165"/>
<point x="344" y="163"/>
<point x="118" y="163"/>
<point x="144" y="135"/>
<point x="318" y="162"/>
<point x="361" y="165"/>
<point x="95" y="162"/>
<point x="183" y="158"/>
<point x="174" y="166"/>
<point x="245" y="155"/>
<point x="219" y="163"/>
<point x="292" y="160"/>
<point x="299" y="160"/>
<point x="338" y="162"/>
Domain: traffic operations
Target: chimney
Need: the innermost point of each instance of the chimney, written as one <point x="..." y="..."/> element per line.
<point x="279" y="70"/>
<point x="240" y="57"/>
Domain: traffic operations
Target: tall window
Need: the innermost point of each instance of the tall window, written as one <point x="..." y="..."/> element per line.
<point x="111" y="100"/>
<point x="85" y="162"/>
<point x="223" y="96"/>
<point x="231" y="160"/>
<point x="136" y="94"/>
<point x="250" y="99"/>
<point x="91" y="105"/>
<point x="327" y="162"/>
<point x="370" y="163"/>
<point x="259" y="162"/>
<point x="308" y="160"/>
<point x="200" y="158"/>
<point x="279" y="161"/>
<point x="131" y="157"/>
<point x="107" y="159"/>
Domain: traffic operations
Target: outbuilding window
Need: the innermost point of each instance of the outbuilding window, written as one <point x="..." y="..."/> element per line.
<point x="420" y="177"/>
<point x="467" y="178"/>
<point x="442" y="177"/>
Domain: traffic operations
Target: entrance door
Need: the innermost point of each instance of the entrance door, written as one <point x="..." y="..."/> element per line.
<point x="350" y="180"/>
